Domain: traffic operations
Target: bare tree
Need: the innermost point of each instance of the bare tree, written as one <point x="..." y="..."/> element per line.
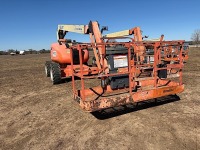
<point x="196" y="37"/>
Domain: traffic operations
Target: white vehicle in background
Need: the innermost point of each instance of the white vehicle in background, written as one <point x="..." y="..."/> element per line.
<point x="22" y="52"/>
<point x="12" y="53"/>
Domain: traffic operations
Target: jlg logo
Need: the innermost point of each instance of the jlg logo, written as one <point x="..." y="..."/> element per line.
<point x="54" y="54"/>
<point x="78" y="28"/>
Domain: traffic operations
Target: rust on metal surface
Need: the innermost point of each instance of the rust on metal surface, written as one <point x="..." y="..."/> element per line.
<point x="149" y="75"/>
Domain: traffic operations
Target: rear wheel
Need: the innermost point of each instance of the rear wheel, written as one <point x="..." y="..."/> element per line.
<point x="47" y="68"/>
<point x="55" y="73"/>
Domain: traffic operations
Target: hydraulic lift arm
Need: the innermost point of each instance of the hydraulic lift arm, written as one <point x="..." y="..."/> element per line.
<point x="134" y="31"/>
<point x="63" y="29"/>
<point x="118" y="34"/>
<point x="96" y="37"/>
<point x="137" y="37"/>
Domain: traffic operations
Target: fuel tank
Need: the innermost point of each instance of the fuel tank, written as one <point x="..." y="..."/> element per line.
<point x="61" y="54"/>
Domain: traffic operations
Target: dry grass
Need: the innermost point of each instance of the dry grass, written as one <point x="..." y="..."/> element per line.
<point x="36" y="115"/>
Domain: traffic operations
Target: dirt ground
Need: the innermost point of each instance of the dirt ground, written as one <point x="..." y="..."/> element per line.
<point x="34" y="114"/>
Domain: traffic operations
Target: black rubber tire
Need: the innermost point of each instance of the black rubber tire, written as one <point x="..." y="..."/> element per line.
<point x="55" y="73"/>
<point x="47" y="68"/>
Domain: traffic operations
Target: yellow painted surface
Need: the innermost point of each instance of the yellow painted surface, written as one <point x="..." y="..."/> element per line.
<point x="117" y="34"/>
<point x="72" y="28"/>
<point x="153" y="40"/>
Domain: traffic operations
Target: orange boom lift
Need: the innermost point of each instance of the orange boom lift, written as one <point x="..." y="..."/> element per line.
<point x="60" y="65"/>
<point x="127" y="73"/>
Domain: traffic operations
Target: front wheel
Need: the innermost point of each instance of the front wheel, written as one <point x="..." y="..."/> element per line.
<point x="47" y="68"/>
<point x="55" y="73"/>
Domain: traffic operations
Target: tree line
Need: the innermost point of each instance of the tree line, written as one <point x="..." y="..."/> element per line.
<point x="29" y="51"/>
<point x="195" y="40"/>
<point x="196" y="37"/>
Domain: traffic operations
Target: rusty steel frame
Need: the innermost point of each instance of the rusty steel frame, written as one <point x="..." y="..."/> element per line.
<point x="139" y="89"/>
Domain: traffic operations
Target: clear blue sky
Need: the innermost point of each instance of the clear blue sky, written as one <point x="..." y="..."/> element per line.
<point x="32" y="23"/>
